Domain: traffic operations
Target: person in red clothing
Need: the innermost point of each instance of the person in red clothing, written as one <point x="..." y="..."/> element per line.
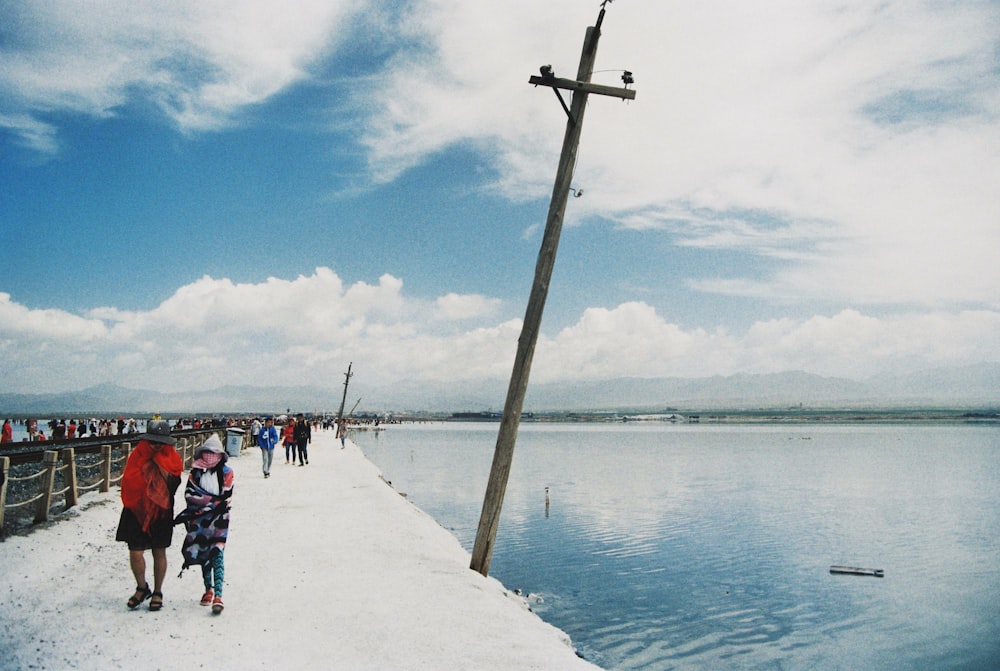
<point x="8" y="432"/>
<point x="288" y="438"/>
<point x="151" y="477"/>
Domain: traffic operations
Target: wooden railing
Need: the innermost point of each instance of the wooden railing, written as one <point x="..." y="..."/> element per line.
<point x="101" y="463"/>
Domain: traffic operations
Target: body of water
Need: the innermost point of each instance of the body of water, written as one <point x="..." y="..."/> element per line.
<point x="662" y="546"/>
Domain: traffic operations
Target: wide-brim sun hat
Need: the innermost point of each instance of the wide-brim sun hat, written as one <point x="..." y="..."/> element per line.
<point x="158" y="431"/>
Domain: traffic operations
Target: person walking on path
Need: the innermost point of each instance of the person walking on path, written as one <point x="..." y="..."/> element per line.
<point x="255" y="429"/>
<point x="303" y="436"/>
<point x="266" y="440"/>
<point x="149" y="481"/>
<point x="342" y="433"/>
<point x="288" y="439"/>
<point x="208" y="494"/>
<point x="7" y="434"/>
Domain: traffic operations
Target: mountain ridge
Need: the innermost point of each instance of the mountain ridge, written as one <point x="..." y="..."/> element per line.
<point x="972" y="386"/>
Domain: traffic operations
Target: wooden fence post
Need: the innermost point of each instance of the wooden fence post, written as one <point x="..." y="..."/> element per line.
<point x="4" y="470"/>
<point x="48" y="481"/>
<point x="69" y="459"/>
<point x="105" y="468"/>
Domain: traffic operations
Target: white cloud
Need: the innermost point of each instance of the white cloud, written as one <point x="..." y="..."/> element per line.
<point x="34" y="134"/>
<point x="18" y="321"/>
<point x="866" y="134"/>
<point x="214" y="332"/>
<point x="199" y="62"/>
<point x="631" y="340"/>
<point x="454" y="307"/>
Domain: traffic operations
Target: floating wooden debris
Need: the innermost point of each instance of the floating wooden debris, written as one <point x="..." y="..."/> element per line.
<point x="854" y="570"/>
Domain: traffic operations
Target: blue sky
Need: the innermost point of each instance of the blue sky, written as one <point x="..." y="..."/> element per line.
<point x="193" y="193"/>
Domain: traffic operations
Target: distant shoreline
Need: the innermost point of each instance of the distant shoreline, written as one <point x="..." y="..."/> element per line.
<point x="889" y="415"/>
<point x="738" y="416"/>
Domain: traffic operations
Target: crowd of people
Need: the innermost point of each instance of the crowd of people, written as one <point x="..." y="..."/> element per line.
<point x="66" y="429"/>
<point x="295" y="436"/>
<point x="60" y="428"/>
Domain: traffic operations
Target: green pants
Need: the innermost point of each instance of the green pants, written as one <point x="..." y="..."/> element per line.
<point x="214" y="572"/>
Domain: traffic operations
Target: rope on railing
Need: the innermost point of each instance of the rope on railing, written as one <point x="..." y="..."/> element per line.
<point x="25" y="478"/>
<point x="60" y="470"/>
<point x="12" y="506"/>
<point x="96" y="483"/>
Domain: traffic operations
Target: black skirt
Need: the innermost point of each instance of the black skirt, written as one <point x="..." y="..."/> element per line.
<point x="130" y="531"/>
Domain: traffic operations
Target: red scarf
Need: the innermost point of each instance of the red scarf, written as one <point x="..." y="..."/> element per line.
<point x="144" y="482"/>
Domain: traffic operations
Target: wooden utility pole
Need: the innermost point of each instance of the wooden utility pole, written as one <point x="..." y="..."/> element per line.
<point x="503" y="455"/>
<point x="343" y="399"/>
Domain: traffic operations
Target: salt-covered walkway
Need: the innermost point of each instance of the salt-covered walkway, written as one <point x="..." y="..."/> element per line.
<point x="327" y="567"/>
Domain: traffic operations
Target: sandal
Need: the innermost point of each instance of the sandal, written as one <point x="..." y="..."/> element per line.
<point x="156" y="603"/>
<point x="141" y="594"/>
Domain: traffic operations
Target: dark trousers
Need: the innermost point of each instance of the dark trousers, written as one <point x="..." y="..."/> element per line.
<point x="303" y="450"/>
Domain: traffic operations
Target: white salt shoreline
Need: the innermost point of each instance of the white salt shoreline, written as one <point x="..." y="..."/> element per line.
<point x="327" y="567"/>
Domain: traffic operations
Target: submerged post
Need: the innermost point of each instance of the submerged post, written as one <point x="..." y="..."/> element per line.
<point x="482" y="551"/>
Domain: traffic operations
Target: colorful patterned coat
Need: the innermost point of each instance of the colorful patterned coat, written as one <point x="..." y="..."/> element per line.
<point x="206" y="517"/>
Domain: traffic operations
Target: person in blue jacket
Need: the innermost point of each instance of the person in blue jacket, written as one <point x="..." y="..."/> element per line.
<point x="266" y="440"/>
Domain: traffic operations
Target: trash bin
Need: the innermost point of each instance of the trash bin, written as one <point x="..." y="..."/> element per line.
<point x="234" y="441"/>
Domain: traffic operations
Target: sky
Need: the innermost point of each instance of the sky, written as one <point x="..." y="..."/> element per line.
<point x="198" y="194"/>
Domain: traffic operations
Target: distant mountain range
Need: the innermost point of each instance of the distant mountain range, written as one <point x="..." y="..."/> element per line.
<point x="969" y="386"/>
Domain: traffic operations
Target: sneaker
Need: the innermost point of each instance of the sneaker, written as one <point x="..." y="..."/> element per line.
<point x="206" y="598"/>
<point x="217" y="605"/>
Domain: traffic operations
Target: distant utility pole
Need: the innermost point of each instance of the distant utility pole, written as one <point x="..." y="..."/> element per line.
<point x="482" y="551"/>
<point x="343" y="399"/>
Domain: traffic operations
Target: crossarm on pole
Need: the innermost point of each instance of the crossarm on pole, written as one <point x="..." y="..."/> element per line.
<point x="573" y="85"/>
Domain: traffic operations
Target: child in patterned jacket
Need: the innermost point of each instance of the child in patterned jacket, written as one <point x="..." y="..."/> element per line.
<point x="208" y="493"/>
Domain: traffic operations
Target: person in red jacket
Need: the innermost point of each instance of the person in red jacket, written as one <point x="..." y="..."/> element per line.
<point x="151" y="477"/>
<point x="288" y="438"/>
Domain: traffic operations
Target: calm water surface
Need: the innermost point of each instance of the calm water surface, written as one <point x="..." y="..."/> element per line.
<point x="709" y="546"/>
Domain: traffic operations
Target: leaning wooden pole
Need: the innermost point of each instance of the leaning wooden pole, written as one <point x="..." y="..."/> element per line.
<point x="343" y="399"/>
<point x="482" y="551"/>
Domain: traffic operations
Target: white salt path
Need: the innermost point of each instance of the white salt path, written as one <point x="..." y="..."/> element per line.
<point x="327" y="567"/>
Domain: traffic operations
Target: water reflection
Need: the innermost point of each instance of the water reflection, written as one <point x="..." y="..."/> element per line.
<point x="709" y="547"/>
